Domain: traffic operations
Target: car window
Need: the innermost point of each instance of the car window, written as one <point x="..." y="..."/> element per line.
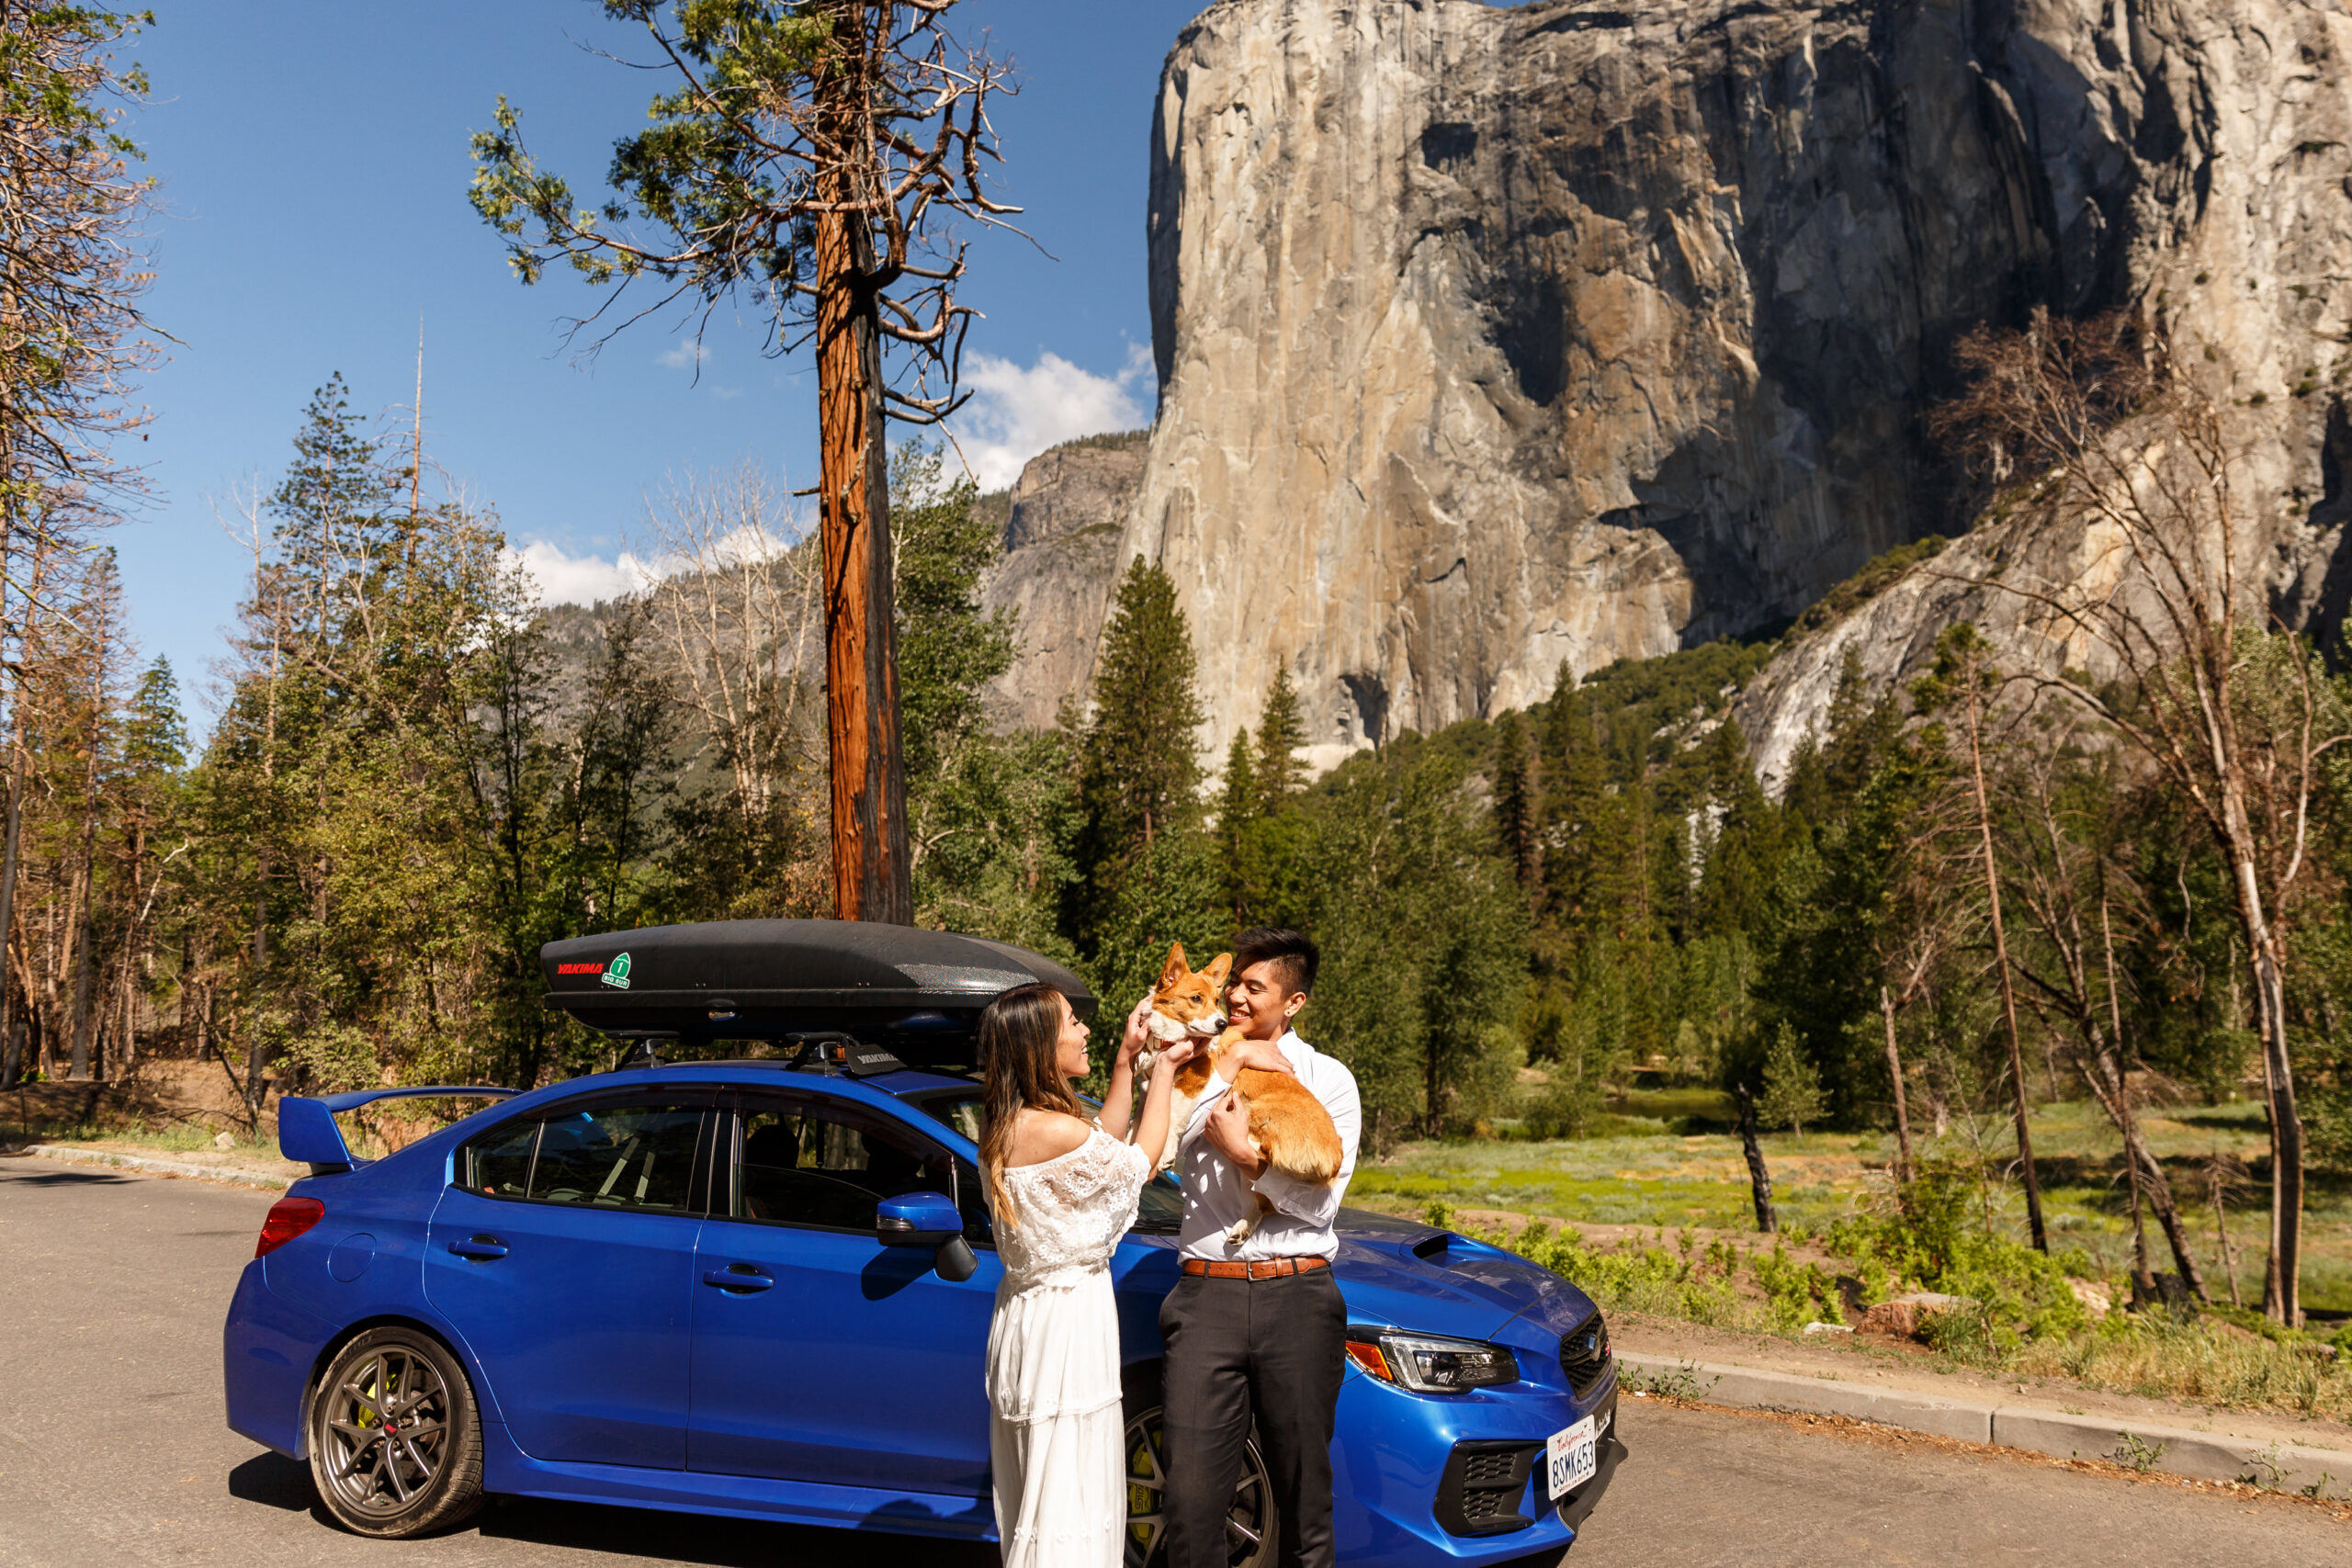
<point x="499" y="1166"/>
<point x="627" y="1157"/>
<point x="1160" y="1208"/>
<point x="803" y="1162"/>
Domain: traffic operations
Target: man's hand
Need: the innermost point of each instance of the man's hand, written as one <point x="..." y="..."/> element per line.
<point x="1138" y="1035"/>
<point x="1261" y="1056"/>
<point x="1228" y="1130"/>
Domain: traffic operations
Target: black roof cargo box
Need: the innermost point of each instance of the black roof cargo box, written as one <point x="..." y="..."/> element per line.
<point x="919" y="992"/>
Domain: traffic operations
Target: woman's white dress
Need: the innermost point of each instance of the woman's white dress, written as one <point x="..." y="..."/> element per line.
<point x="1055" y="1449"/>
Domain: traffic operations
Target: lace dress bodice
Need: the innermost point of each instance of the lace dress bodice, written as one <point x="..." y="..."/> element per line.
<point x="1069" y="1212"/>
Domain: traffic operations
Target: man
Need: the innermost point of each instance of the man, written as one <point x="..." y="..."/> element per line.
<point x="1258" y="1327"/>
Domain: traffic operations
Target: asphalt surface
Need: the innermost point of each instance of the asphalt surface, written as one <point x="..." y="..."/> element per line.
<point x="113" y="1451"/>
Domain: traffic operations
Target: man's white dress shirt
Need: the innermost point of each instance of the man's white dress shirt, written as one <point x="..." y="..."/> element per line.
<point x="1216" y="1197"/>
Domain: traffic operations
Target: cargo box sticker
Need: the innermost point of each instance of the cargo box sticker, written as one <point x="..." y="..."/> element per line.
<point x="616" y="972"/>
<point x="596" y="969"/>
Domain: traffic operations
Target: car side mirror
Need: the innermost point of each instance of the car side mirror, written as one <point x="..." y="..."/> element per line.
<point x="926" y="1219"/>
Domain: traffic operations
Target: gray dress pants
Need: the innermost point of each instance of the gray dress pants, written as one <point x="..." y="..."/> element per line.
<point x="1274" y="1349"/>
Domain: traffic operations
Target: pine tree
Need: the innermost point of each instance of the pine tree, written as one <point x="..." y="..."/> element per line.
<point x="154" y="736"/>
<point x="1138" y="774"/>
<point x="948" y="649"/>
<point x="1514" y="800"/>
<point x="1282" y="735"/>
<point x="1792" y="1092"/>
<point x="1238" y="828"/>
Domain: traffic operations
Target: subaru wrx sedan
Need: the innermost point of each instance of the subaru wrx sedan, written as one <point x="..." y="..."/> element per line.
<point x="762" y="1288"/>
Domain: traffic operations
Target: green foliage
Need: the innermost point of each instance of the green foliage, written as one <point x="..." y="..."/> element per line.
<point x="1876" y="577"/>
<point x="948" y="651"/>
<point x="1791" y="1094"/>
<point x="1280" y="771"/>
<point x="1138" y="776"/>
<point x="1424" y="939"/>
<point x="1934" y="1243"/>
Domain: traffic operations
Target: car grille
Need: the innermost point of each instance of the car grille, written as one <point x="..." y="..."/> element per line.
<point x="1487" y="1472"/>
<point x="1484" y="1484"/>
<point x="1480" y="1505"/>
<point x="1584" y="1354"/>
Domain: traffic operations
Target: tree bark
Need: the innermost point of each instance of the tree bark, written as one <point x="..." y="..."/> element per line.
<point x="1759" y="1180"/>
<point x="2001" y="964"/>
<point x="9" y="863"/>
<point x="1894" y="1071"/>
<point x="2281" y="1294"/>
<point x="873" y="877"/>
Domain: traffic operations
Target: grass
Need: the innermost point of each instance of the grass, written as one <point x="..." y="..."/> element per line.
<point x="1659" y="1165"/>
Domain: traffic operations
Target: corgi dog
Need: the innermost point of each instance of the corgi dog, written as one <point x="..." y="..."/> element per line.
<point x="1288" y="1127"/>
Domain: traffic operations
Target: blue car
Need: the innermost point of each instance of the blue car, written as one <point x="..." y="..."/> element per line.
<point x="762" y="1288"/>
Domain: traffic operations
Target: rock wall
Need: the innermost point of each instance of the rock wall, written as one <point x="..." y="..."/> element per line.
<point x="1061" y="561"/>
<point x="2209" y="148"/>
<point x="1491" y="339"/>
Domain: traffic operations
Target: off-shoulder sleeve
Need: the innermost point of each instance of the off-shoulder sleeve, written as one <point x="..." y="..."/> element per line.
<point x="1103" y="1170"/>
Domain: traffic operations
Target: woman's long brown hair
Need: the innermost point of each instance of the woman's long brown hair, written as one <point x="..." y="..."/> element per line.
<point x="1019" y="1033"/>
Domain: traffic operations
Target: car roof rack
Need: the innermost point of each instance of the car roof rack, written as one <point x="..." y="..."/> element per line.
<point x="894" y="996"/>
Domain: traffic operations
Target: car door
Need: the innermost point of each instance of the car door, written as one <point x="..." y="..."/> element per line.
<point x="563" y="1252"/>
<point x="820" y="1354"/>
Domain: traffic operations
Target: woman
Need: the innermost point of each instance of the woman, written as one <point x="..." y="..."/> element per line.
<point x="1062" y="1189"/>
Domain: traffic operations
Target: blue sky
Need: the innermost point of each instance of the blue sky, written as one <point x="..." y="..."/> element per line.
<point x="312" y="161"/>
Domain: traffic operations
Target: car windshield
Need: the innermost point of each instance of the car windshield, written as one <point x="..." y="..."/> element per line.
<point x="1159" y="1209"/>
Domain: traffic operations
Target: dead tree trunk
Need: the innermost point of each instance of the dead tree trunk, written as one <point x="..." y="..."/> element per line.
<point x="1903" y="1166"/>
<point x="1759" y="1180"/>
<point x="2001" y="966"/>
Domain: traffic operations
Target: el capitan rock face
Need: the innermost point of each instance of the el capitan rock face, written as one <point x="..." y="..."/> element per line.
<point x="1495" y="338"/>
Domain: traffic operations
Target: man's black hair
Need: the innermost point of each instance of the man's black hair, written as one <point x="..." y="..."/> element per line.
<point x="1292" y="953"/>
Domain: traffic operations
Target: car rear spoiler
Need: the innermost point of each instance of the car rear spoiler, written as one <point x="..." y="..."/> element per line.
<point x="306" y="1130"/>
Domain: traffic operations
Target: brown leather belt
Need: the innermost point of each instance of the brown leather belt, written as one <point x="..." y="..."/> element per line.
<point x="1268" y="1268"/>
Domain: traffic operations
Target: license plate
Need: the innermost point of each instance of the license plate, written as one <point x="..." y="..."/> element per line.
<point x="1571" y="1456"/>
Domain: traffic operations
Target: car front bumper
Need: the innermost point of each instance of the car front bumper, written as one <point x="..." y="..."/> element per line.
<point x="1399" y="1482"/>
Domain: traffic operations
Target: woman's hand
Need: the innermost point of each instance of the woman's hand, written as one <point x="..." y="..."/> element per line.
<point x="1263" y="1055"/>
<point x="1173" y="1056"/>
<point x="1138" y="1033"/>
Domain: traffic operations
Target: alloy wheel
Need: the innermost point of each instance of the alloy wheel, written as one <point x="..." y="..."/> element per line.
<point x="1248" y="1523"/>
<point x="386" y="1431"/>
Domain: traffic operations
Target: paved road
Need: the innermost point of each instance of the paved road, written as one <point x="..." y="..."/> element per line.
<point x="113" y="1451"/>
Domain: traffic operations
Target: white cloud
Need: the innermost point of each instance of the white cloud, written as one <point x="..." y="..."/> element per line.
<point x="559" y="577"/>
<point x="686" y="353"/>
<point x="1016" y="413"/>
<point x="564" y="578"/>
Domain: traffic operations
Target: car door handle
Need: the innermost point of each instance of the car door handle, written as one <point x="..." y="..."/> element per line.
<point x="744" y="1277"/>
<point x="481" y="1246"/>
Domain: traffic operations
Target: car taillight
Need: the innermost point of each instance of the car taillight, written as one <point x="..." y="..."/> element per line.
<point x="288" y="1217"/>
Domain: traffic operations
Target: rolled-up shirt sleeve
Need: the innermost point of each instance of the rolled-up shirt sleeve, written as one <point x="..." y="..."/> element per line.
<point x="1317" y="1203"/>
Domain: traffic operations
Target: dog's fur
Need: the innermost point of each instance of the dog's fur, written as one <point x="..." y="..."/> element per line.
<point x="1288" y="1127"/>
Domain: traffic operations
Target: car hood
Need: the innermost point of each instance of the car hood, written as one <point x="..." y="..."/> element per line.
<point x="1403" y="1274"/>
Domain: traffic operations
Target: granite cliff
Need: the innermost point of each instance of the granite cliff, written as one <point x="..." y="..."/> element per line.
<point x="1491" y="339"/>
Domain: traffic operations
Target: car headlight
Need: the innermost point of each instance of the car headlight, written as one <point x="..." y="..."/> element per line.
<point x="1428" y="1363"/>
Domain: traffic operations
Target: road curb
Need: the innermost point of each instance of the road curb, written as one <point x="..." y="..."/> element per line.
<point x="142" y="1163"/>
<point x="2204" y="1456"/>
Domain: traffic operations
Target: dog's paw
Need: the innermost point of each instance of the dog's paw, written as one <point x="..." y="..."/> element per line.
<point x="1240" y="1231"/>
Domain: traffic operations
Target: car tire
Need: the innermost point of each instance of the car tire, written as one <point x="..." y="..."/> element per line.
<point x="1254" y="1522"/>
<point x="394" y="1436"/>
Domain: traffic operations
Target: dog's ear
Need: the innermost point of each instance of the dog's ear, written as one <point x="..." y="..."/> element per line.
<point x="1172" y="973"/>
<point x="1218" y="967"/>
